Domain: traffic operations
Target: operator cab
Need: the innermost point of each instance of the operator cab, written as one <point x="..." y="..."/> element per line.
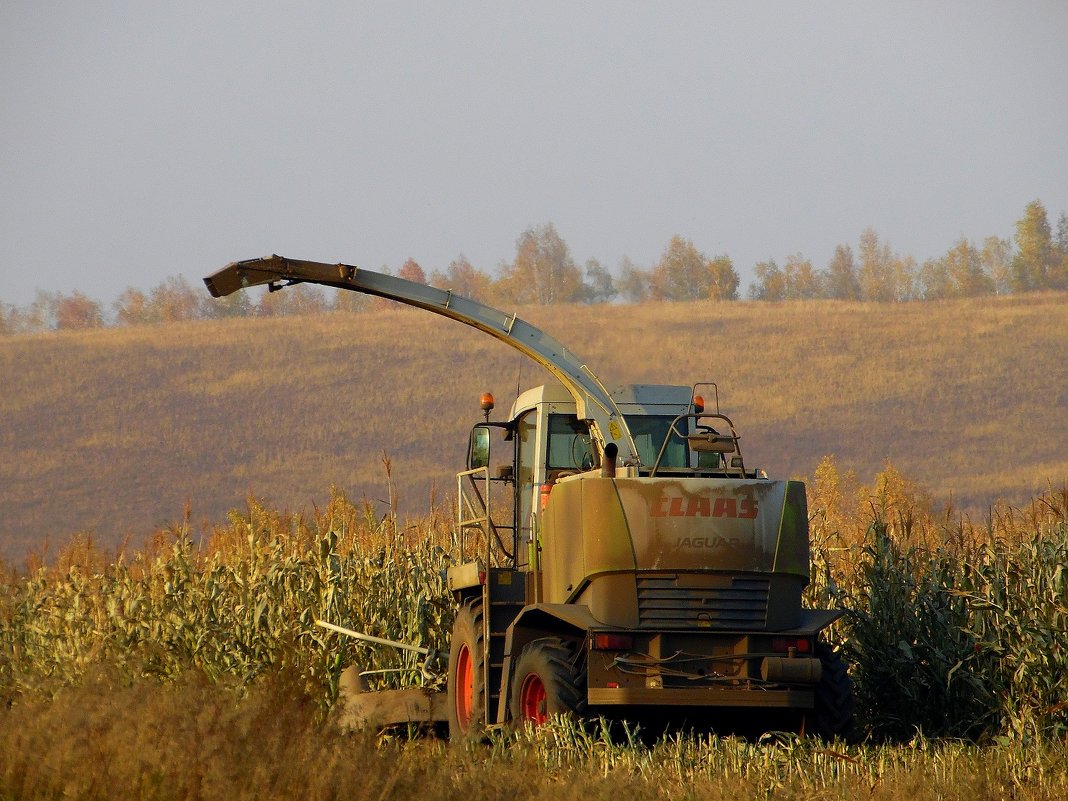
<point x="510" y="475"/>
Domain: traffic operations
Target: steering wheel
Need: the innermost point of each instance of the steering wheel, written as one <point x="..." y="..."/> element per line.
<point x="581" y="452"/>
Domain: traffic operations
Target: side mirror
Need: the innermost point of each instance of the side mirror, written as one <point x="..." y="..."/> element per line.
<point x="478" y="450"/>
<point x="709" y="442"/>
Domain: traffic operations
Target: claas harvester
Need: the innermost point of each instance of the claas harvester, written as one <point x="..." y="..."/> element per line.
<point x="619" y="557"/>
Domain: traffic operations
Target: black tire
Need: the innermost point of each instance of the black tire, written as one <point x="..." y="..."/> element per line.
<point x="466" y="685"/>
<point x="833" y="715"/>
<point x="547" y="681"/>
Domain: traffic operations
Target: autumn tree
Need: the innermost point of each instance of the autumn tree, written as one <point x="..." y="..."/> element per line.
<point x="347" y="301"/>
<point x="802" y="280"/>
<point x="77" y="311"/>
<point x="934" y="281"/>
<point x="682" y="272"/>
<point x="724" y="280"/>
<point x="543" y="271"/>
<point x="309" y="299"/>
<point x="840" y="280"/>
<point x="55" y="311"/>
<point x="174" y="300"/>
<point x="996" y="258"/>
<point x="292" y="301"/>
<point x="904" y="271"/>
<point x="1059" y="268"/>
<point x="599" y="286"/>
<point x="132" y="307"/>
<point x="633" y="282"/>
<point x="964" y="265"/>
<point x="770" y="282"/>
<point x="237" y="304"/>
<point x="464" y="279"/>
<point x="1035" y="254"/>
<point x="685" y="273"/>
<point x="411" y="271"/>
<point x="41" y="313"/>
<point x="795" y="280"/>
<point x="16" y="320"/>
<point x="876" y="274"/>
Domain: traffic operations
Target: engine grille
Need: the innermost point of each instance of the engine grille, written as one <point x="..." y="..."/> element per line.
<point x="679" y="601"/>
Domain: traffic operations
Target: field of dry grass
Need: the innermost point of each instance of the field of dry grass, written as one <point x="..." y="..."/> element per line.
<point x="115" y="431"/>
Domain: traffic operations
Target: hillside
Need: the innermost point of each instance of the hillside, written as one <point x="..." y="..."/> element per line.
<point x="114" y="431"/>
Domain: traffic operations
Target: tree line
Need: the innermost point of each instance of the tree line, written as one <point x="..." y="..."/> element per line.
<point x="543" y="271"/>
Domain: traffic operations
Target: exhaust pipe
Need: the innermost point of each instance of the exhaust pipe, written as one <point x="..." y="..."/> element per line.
<point x="608" y="463"/>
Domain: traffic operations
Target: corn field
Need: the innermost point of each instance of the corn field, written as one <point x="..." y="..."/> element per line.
<point x="951" y="630"/>
<point x="241" y="605"/>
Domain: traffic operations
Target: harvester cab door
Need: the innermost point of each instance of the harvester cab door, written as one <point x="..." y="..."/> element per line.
<point x="526" y="486"/>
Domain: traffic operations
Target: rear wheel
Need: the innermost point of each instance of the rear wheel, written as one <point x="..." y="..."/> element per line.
<point x="547" y="682"/>
<point x="466" y="690"/>
<point x="833" y="714"/>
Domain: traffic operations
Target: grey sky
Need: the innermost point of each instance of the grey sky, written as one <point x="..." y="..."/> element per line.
<point x="140" y="140"/>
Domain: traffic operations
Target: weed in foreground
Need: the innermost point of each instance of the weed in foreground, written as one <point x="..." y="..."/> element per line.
<point x="197" y="739"/>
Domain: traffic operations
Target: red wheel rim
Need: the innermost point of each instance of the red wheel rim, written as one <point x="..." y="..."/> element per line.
<point x="465" y="687"/>
<point x="532" y="699"/>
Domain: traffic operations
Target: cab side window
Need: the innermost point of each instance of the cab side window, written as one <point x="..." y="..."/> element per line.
<point x="570" y="445"/>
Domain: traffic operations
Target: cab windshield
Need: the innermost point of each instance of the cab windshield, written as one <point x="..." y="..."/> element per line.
<point x="570" y="446"/>
<point x="649" y="432"/>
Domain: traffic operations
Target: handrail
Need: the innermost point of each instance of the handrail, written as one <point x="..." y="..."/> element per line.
<point x="696" y="416"/>
<point x="469" y="517"/>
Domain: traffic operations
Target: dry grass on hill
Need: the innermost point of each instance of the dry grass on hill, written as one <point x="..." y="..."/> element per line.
<point x="114" y="431"/>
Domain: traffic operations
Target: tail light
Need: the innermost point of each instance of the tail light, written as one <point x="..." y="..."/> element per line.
<point x="782" y="645"/>
<point x="546" y="489"/>
<point x="613" y="642"/>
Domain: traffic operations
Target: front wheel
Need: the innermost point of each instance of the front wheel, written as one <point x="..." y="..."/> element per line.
<point x="466" y="690"/>
<point x="546" y="682"/>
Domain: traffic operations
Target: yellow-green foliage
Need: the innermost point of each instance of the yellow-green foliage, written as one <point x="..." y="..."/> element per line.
<point x="951" y="630"/>
<point x="242" y="605"/>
